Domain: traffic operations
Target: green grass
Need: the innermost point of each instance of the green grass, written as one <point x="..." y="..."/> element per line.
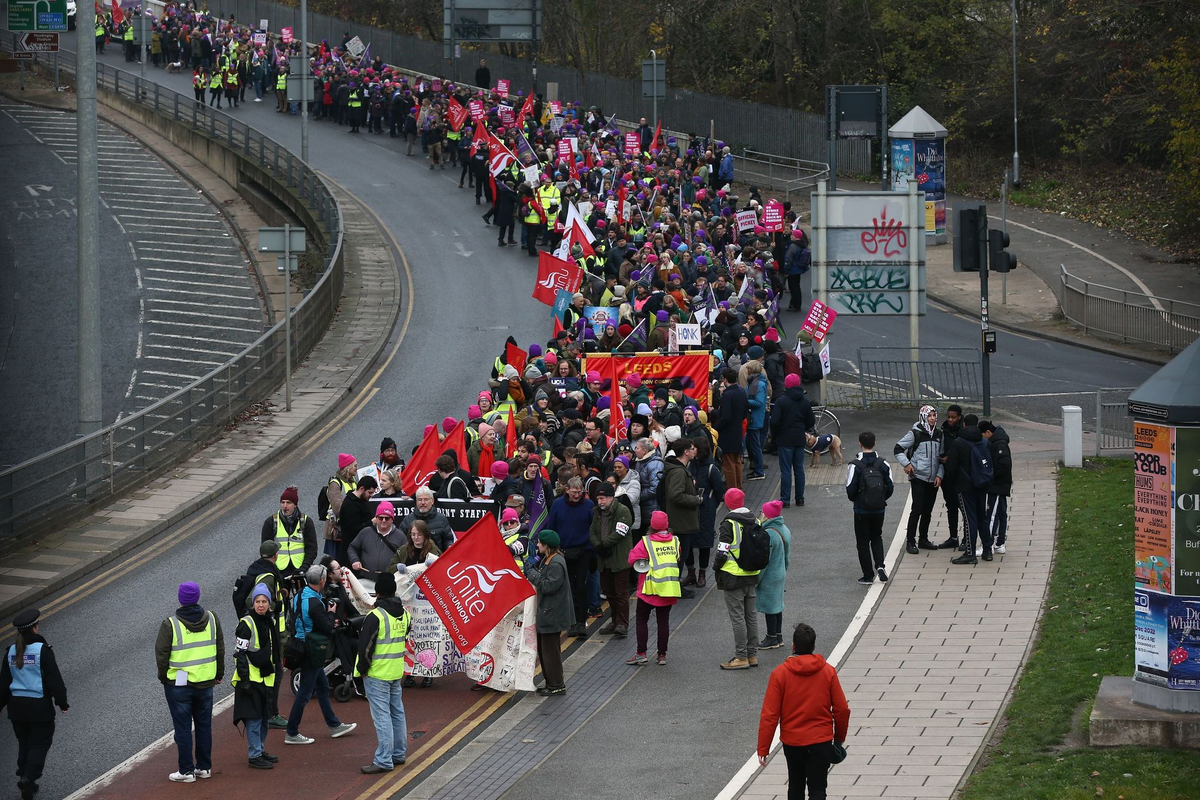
<point x="1086" y="633"/>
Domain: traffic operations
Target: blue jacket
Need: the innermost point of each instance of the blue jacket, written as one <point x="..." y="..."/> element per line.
<point x="757" y="403"/>
<point x="573" y="523"/>
<point x="725" y="173"/>
<point x="772" y="580"/>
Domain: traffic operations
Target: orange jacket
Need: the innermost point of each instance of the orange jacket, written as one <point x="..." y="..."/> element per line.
<point x="805" y="699"/>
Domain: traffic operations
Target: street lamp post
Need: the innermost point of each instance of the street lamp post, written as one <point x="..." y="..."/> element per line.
<point x="654" y="78"/>
<point x="1016" y="167"/>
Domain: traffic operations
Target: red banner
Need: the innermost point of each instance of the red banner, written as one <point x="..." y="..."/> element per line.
<point x="457" y="115"/>
<point x="554" y="274"/>
<point x="515" y="357"/>
<point x="691" y="368"/>
<point x="473" y="585"/>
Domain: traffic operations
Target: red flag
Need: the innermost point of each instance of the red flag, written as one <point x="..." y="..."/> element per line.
<point x="526" y="110"/>
<point x="420" y="468"/>
<point x="500" y="157"/>
<point x="473" y="585"/>
<point x="621" y="195"/>
<point x="117" y="14"/>
<point x="575" y="236"/>
<point x="516" y="357"/>
<point x="457" y="114"/>
<point x="558" y="328"/>
<point x="554" y="274"/>
<point x="572" y="169"/>
<point x="510" y="436"/>
<point x="456" y="440"/>
<point x="479" y="137"/>
<point x="654" y="141"/>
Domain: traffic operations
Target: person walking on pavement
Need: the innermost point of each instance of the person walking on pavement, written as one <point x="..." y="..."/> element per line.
<point x="682" y="502"/>
<point x="772" y="581"/>
<point x="804" y="699"/>
<point x="658" y="586"/>
<point x="381" y="666"/>
<point x="295" y="533"/>
<point x="547" y="571"/>
<point x="737" y="583"/>
<point x="31" y="686"/>
<point x="611" y="536"/>
<point x="869" y="485"/>
<point x="314" y="623"/>
<point x="756" y="403"/>
<point x="950" y="431"/>
<point x="791" y="419"/>
<point x="998" y="493"/>
<point x="728" y="424"/>
<point x="919" y="452"/>
<point x="969" y="461"/>
<point x="190" y="653"/>
<point x="256" y="674"/>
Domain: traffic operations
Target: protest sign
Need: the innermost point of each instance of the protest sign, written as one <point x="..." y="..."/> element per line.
<point x="773" y="216"/>
<point x="502" y="88"/>
<point x="599" y="316"/>
<point x="746" y="220"/>
<point x="633" y="144"/>
<point x="286" y="35"/>
<point x="477" y="112"/>
<point x="818" y="320"/>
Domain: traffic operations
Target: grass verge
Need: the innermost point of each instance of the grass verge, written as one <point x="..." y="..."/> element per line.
<point x="1086" y="633"/>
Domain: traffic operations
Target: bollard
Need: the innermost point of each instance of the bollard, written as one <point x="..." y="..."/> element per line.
<point x="1072" y="428"/>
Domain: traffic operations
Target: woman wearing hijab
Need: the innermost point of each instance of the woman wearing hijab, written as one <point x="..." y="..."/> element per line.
<point x="31" y="685"/>
<point x="919" y="453"/>
<point x="254" y="676"/>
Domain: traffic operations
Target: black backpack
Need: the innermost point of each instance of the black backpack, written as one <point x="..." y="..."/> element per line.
<point x="755" y="551"/>
<point x="323" y="503"/>
<point x="872" y="487"/>
<point x="981" y="471"/>
<point x="241" y="593"/>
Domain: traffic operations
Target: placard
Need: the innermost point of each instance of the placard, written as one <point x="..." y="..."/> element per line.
<point x="564" y="150"/>
<point x="633" y="144"/>
<point x="772" y="218"/>
<point x="476" y="109"/>
<point x="259" y="38"/>
<point x="746" y="220"/>
<point x="688" y="335"/>
<point x="356" y="47"/>
<point x="286" y="35"/>
<point x="502" y="87"/>
<point x="818" y="320"/>
<point x="826" y="361"/>
<point x="556" y="108"/>
<point x="507" y="115"/>
<point x="599" y="316"/>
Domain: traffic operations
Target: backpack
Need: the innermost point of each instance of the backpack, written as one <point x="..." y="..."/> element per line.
<point x="755" y="552"/>
<point x="872" y="488"/>
<point x="810" y="370"/>
<point x="791" y="364"/>
<point x="981" y="470"/>
<point x="660" y="493"/>
<point x="323" y="503"/>
<point x="241" y="593"/>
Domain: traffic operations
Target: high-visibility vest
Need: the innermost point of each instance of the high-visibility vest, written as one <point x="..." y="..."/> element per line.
<point x="509" y="540"/>
<point x="26" y="681"/>
<point x="129" y="34"/>
<point x="193" y="652"/>
<point x="256" y="675"/>
<point x="549" y="195"/>
<point x="663" y="578"/>
<point x="231" y="78"/>
<point x="387" y="660"/>
<point x="99" y="29"/>
<point x="215" y="81"/>
<point x="453" y="135"/>
<point x="355" y="100"/>
<point x="281" y="82"/>
<point x="735" y="549"/>
<point x="637" y="234"/>
<point x="291" y="545"/>
<point x="198" y="81"/>
<point x="532" y="216"/>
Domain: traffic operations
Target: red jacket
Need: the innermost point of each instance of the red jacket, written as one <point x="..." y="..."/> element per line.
<point x="804" y="698"/>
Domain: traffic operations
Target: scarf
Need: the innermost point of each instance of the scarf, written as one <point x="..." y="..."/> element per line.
<point x="923" y="421"/>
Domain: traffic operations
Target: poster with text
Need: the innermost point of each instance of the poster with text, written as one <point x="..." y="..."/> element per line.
<point x="1150" y="636"/>
<point x="929" y="171"/>
<point x="1186" y="525"/>
<point x="902" y="164"/>
<point x="1152" y="506"/>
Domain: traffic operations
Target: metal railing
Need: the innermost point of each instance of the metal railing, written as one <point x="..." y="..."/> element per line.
<point x="889" y="375"/>
<point x="1128" y="316"/>
<point x="92" y="469"/>
<point x="1114" y="424"/>
<point x="740" y="123"/>
<point x="781" y="173"/>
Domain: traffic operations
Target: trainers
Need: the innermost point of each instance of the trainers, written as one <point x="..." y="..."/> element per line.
<point x="552" y="691"/>
<point x="260" y="763"/>
<point x="737" y="662"/>
<point x="882" y="575"/>
<point x="999" y="549"/>
<point x="277" y="722"/>
<point x="865" y="581"/>
<point x="786" y="504"/>
<point x="925" y="544"/>
<point x="979" y="551"/>
<point x="756" y="476"/>
<point x="911" y="549"/>
<point x="203" y="773"/>
<point x="343" y="729"/>
<point x="183" y="777"/>
<point x="299" y="738"/>
<point x="965" y="558"/>
<point x="662" y="660"/>
<point x="636" y="660"/>
<point x="949" y="544"/>
<point x="987" y="555"/>
<point x="800" y="502"/>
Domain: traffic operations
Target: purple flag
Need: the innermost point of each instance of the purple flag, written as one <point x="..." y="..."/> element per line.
<point x="539" y="507"/>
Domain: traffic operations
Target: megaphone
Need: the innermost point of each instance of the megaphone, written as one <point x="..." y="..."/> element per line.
<point x="642" y="565"/>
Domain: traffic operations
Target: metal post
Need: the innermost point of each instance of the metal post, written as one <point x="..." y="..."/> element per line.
<point x="1099" y="417"/>
<point x="20" y="64"/>
<point x="536" y="36"/>
<point x="985" y="325"/>
<point x="56" y="84"/>
<point x="287" y="315"/>
<point x="654" y="83"/>
<point x="831" y="134"/>
<point x="1016" y="167"/>
<point x="914" y="269"/>
<point x="1004" y="224"/>
<point x="820" y="213"/>
<point x="884" y="154"/>
<point x="142" y="59"/>
<point x="90" y="408"/>
<point x="304" y="87"/>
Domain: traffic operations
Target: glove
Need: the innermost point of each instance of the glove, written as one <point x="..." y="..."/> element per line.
<point x="517" y="548"/>
<point x="401" y="568"/>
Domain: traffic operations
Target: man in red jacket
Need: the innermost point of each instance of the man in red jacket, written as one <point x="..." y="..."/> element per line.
<point x="805" y="699"/>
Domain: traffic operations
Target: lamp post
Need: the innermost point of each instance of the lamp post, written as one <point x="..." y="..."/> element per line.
<point x="1016" y="167"/>
<point x="654" y="77"/>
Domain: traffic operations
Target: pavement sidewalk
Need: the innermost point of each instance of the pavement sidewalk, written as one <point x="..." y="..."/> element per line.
<point x="932" y="669"/>
<point x="36" y="567"/>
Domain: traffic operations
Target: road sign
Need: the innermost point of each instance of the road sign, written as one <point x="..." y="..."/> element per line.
<point x="654" y="78"/>
<point x="271" y="240"/>
<point x="37" y="15"/>
<point x="20" y="56"/>
<point x="38" y="42"/>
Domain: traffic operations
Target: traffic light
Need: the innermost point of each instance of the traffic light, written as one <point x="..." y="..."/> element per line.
<point x="999" y="259"/>
<point x="966" y="239"/>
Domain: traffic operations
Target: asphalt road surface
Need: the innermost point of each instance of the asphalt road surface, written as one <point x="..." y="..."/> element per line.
<point x="467" y="296"/>
<point x="177" y="295"/>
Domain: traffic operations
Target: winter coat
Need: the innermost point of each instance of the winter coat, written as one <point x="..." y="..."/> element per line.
<point x="1001" y="463"/>
<point x="926" y="453"/>
<point x="792" y="417"/>
<point x="355" y="514"/>
<point x="639" y="553"/>
<point x="54" y="691"/>
<point x="649" y="470"/>
<point x="370" y="630"/>
<point x="409" y="556"/>
<point x="611" y="536"/>
<point x="682" y="501"/>
<point x="729" y="420"/>
<point x="555" y="610"/>
<point x="439" y="527"/>
<point x="958" y="458"/>
<point x="256" y="700"/>
<point x="631" y="488"/>
<point x="773" y="579"/>
<point x="949" y="435"/>
<point x="710" y="483"/>
<point x="373" y="550"/>
<point x="853" y="484"/>
<point x="756" y="401"/>
<point x="194" y="618"/>
<point x="805" y="700"/>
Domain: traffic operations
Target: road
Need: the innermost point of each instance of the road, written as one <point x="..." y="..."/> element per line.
<point x="468" y="295"/>
<point x="177" y="295"/>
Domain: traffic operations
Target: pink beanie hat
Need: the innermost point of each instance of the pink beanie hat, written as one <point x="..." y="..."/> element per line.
<point x="345" y="460"/>
<point x="772" y="509"/>
<point x="735" y="498"/>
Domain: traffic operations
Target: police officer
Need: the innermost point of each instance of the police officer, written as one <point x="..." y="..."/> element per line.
<point x="31" y="685"/>
<point x="381" y="660"/>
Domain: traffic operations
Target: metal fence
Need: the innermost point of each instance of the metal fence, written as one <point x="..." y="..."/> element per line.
<point x="889" y="376"/>
<point x="92" y="469"/>
<point x="740" y="123"/>
<point x="1114" y="423"/>
<point x="1128" y="316"/>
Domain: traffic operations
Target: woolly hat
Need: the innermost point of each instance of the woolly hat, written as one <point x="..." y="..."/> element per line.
<point x="633" y="380"/>
<point x="772" y="509"/>
<point x="260" y="589"/>
<point x="645" y="410"/>
<point x="387" y="443"/>
<point x="386" y="509"/>
<point x="624" y="329"/>
<point x="661" y="316"/>
<point x="509" y="515"/>
<point x="291" y="494"/>
<point x="535" y="351"/>
<point x="474" y="412"/>
<point x="448" y="424"/>
<point x="623" y="459"/>
<point x="485" y="394"/>
<point x="658" y="521"/>
<point x="499" y="470"/>
<point x="268" y="549"/>
<point x="485" y="429"/>
<point x="549" y="538"/>
<point x="735" y="498"/>
<point x="189" y="593"/>
<point x="385" y="585"/>
<point x="345" y="460"/>
<point x="672" y="433"/>
<point x="593" y="376"/>
<point x="772" y="335"/>
<point x="755" y="352"/>
<point x="551" y="359"/>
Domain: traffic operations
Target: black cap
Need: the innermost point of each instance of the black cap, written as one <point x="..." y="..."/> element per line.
<point x="606" y="489"/>
<point x="26" y="619"/>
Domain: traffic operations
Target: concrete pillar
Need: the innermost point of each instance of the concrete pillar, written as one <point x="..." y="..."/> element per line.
<point x="1072" y="428"/>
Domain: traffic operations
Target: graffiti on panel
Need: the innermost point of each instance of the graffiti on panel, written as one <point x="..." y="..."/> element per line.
<point x="869" y="302"/>
<point x="868" y="277"/>
<point x="887" y="238"/>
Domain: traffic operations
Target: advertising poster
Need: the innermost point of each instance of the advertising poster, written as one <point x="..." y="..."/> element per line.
<point x="1167" y="639"/>
<point x="1187" y="511"/>
<point x="929" y="171"/>
<point x="1152" y="507"/>
<point x="1150" y="635"/>
<point x="902" y="164"/>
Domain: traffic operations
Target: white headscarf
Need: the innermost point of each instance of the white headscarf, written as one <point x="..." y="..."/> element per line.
<point x="924" y="419"/>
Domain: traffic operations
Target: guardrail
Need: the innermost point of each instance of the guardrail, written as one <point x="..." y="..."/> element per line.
<point x="889" y="375"/>
<point x="781" y="173"/>
<point x="93" y="469"/>
<point x="1128" y="316"/>
<point x="1114" y="423"/>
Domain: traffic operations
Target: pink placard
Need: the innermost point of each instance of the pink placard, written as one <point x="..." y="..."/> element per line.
<point x="818" y="320"/>
<point x="633" y="144"/>
<point x="773" y="216"/>
<point x="502" y="88"/>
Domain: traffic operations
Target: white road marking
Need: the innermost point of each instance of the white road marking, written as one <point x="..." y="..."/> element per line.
<point x="160" y="228"/>
<point x="239" y="347"/>
<point x="202" y="305"/>
<point x="192" y="273"/>
<point x="180" y="261"/>
<point x="228" y="247"/>
<point x="189" y="379"/>
<point x="200" y="283"/>
<point x="190" y="293"/>
<point x="181" y="313"/>
<point x="192" y="325"/>
<point x="174" y="348"/>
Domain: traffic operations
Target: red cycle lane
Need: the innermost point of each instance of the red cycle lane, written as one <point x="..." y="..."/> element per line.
<point x="438" y="717"/>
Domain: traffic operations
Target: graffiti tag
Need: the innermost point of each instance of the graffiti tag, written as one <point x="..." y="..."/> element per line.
<point x="887" y="235"/>
<point x="869" y="302"/>
<point x="868" y="278"/>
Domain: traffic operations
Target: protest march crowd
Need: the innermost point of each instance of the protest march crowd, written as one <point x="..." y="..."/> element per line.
<point x="603" y="464"/>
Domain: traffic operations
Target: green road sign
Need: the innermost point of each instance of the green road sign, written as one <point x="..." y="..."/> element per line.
<point x="37" y="15"/>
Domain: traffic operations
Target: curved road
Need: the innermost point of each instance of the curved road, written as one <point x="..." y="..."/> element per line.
<point x="468" y="295"/>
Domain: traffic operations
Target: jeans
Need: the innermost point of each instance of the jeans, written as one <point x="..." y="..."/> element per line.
<point x="312" y="678"/>
<point x="256" y="736"/>
<point x="924" y="497"/>
<point x="997" y="516"/>
<point x="387" y="712"/>
<point x="868" y="536"/>
<point x="189" y="705"/>
<point x="809" y="765"/>
<point x="975" y="519"/>
<point x="754" y="450"/>
<point x="791" y="462"/>
<point x="740" y="605"/>
<point x="593" y="589"/>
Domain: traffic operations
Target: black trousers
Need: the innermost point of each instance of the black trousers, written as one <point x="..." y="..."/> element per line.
<point x="505" y="221"/>
<point x="551" y="657"/>
<point x="868" y="535"/>
<point x="924" y="498"/>
<point x="577" y="572"/>
<point x="797" y="301"/>
<point x="33" y="744"/>
<point x="809" y="766"/>
<point x="950" y="497"/>
<point x="974" y="508"/>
